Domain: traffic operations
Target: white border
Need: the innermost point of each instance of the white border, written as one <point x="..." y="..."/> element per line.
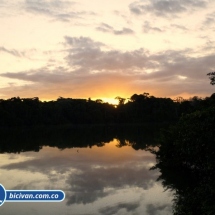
<point x="35" y="200"/>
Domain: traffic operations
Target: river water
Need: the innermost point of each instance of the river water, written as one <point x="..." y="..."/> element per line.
<point x="109" y="177"/>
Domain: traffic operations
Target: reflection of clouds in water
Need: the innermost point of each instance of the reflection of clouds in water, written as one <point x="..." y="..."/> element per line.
<point x="157" y="209"/>
<point x="27" y="186"/>
<point x="90" y="175"/>
<point x="88" y="186"/>
<point x="45" y="165"/>
<point x="51" y="159"/>
<point x="128" y="207"/>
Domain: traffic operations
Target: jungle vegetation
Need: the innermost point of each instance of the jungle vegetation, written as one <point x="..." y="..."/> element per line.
<point x="186" y="160"/>
<point x="140" y="108"/>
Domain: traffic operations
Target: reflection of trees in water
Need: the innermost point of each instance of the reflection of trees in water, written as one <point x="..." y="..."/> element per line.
<point x="18" y="140"/>
<point x="194" y="190"/>
<point x="139" y="137"/>
<point x="33" y="139"/>
<point x="186" y="161"/>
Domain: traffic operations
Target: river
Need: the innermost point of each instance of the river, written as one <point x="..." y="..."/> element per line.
<point x="108" y="174"/>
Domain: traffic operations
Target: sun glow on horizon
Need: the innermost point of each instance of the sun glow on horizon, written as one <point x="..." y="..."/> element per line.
<point x="113" y="49"/>
<point x="112" y="101"/>
<point x="109" y="100"/>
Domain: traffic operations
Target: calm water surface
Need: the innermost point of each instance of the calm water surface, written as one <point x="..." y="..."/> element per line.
<point x="105" y="180"/>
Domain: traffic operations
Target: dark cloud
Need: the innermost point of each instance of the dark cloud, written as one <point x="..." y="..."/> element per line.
<point x="157" y="209"/>
<point x="209" y="21"/>
<point x="148" y="28"/>
<point x="107" y="28"/>
<point x="123" y="31"/>
<point x="110" y="210"/>
<point x="26" y="186"/>
<point x="168" y="6"/>
<point x="165" y="64"/>
<point x="180" y="27"/>
<point x="42" y="75"/>
<point x="89" y="54"/>
<point x="82" y="43"/>
<point x="165" y="7"/>
<point x="46" y="7"/>
<point x="174" y="63"/>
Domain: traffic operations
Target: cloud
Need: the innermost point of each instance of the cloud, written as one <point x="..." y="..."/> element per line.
<point x="123" y="31"/>
<point x="107" y="28"/>
<point x="82" y="42"/>
<point x="109" y="210"/>
<point x="156" y="209"/>
<point x="27" y="186"/>
<point x="86" y="53"/>
<point x="180" y="27"/>
<point x="12" y="52"/>
<point x="147" y="28"/>
<point x="98" y="179"/>
<point x="82" y="86"/>
<point x="58" y="9"/>
<point x="94" y="67"/>
<point x="165" y="7"/>
<point x="209" y="20"/>
<point x="42" y="75"/>
<point x="180" y="63"/>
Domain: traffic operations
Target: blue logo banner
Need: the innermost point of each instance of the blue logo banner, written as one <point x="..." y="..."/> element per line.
<point x="30" y="195"/>
<point x="2" y="194"/>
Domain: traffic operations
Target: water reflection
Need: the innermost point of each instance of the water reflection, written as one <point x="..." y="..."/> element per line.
<point x="33" y="139"/>
<point x="194" y="189"/>
<point x="113" y="179"/>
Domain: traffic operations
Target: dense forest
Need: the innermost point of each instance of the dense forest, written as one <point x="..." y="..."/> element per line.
<point x="185" y="159"/>
<point x="186" y="162"/>
<point x="141" y="108"/>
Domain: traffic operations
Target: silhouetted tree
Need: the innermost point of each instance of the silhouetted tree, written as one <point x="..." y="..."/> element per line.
<point x="212" y="77"/>
<point x="121" y="100"/>
<point x="140" y="108"/>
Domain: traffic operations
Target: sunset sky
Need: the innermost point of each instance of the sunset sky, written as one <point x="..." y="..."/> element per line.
<point x="104" y="49"/>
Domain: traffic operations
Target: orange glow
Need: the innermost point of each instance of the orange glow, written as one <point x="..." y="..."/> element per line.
<point x="109" y="100"/>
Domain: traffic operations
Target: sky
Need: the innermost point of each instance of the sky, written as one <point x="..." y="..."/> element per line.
<point x="105" y="49"/>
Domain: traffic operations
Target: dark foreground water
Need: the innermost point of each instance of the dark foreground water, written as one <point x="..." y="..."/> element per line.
<point x="107" y="175"/>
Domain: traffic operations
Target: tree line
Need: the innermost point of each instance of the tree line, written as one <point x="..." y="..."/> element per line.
<point x="140" y="108"/>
